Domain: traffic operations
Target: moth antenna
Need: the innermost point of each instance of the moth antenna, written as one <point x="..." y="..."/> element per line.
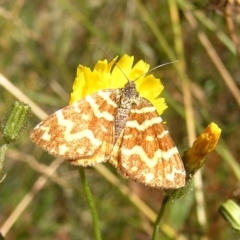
<point x="110" y="58"/>
<point x="151" y="70"/>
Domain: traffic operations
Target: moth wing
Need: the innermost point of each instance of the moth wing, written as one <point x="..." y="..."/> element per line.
<point x="81" y="133"/>
<point x="145" y="152"/>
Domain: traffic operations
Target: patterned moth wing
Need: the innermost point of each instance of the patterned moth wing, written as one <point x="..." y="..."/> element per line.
<point x="145" y="152"/>
<point x="81" y="133"/>
<point x="116" y="125"/>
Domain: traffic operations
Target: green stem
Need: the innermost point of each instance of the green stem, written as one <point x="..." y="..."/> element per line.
<point x="159" y="217"/>
<point x="91" y="204"/>
<point x="3" y="150"/>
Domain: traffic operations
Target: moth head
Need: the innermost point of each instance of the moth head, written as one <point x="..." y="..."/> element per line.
<point x="130" y="94"/>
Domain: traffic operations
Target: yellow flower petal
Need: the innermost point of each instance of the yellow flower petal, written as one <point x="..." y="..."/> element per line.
<point x="78" y="87"/>
<point x="159" y="104"/>
<point x="194" y="158"/>
<point x="149" y="86"/>
<point x="120" y="72"/>
<point x="207" y="141"/>
<point x="109" y="76"/>
<point x="138" y="70"/>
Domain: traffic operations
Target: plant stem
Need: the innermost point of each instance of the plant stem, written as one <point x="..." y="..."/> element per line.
<point x="91" y="204"/>
<point x="3" y="150"/>
<point x="159" y="217"/>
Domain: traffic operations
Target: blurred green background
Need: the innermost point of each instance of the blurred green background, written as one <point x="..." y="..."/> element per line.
<point x="41" y="45"/>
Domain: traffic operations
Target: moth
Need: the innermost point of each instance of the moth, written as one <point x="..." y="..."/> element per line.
<point x="118" y="126"/>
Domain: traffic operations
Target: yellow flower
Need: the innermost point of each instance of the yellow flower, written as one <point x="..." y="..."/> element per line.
<point x="109" y="76"/>
<point x="195" y="157"/>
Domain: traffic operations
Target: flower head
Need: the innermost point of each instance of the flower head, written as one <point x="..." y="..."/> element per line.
<point x="230" y="211"/>
<point x="195" y="157"/>
<point x="109" y="76"/>
<point x="15" y="121"/>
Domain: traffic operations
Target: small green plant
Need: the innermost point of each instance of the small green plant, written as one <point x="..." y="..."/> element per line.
<point x="13" y="125"/>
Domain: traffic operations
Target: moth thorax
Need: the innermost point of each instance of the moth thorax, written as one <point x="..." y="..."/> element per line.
<point x="129" y="90"/>
<point x="129" y="97"/>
